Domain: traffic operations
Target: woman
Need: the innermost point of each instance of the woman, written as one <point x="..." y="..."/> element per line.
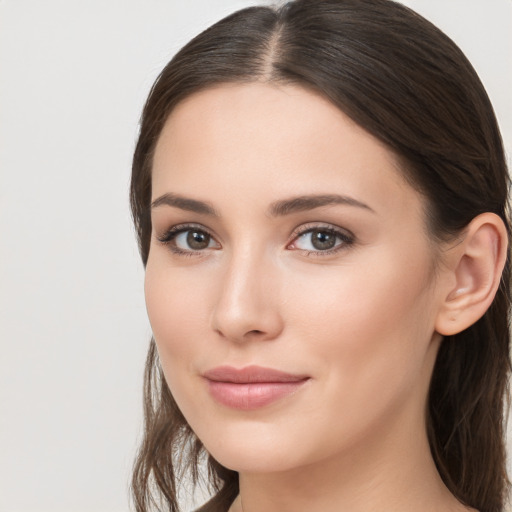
<point x="320" y="196"/>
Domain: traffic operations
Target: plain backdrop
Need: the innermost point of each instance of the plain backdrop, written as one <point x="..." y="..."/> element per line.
<point x="73" y="329"/>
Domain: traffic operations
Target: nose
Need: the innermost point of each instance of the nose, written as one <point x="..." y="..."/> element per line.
<point x="247" y="302"/>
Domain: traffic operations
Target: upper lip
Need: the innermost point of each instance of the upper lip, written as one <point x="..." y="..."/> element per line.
<point x="251" y="374"/>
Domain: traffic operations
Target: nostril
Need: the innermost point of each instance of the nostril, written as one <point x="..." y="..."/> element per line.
<point x="257" y="335"/>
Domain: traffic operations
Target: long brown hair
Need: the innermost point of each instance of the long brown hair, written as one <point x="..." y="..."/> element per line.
<point x="409" y="85"/>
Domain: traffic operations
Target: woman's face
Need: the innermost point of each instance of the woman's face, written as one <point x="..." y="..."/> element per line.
<point x="290" y="282"/>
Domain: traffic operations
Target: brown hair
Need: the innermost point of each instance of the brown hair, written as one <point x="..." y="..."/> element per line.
<point x="409" y="85"/>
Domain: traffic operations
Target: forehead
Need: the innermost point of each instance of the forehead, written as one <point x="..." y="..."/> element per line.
<point x="265" y="141"/>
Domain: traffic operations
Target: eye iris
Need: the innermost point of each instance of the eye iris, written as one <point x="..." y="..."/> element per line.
<point x="198" y="240"/>
<point x="323" y="240"/>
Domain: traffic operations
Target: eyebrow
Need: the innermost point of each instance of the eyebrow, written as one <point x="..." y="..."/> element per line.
<point x="185" y="203"/>
<point x="277" y="209"/>
<point x="309" y="202"/>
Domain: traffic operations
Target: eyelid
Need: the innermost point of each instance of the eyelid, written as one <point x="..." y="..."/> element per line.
<point x="170" y="235"/>
<point x="347" y="237"/>
<point x="171" y="232"/>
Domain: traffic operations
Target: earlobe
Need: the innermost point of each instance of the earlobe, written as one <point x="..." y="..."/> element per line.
<point x="476" y="266"/>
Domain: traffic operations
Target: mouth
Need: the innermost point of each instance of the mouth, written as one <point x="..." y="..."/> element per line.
<point x="251" y="387"/>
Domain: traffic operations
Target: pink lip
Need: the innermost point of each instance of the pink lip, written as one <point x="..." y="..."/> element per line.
<point x="251" y="387"/>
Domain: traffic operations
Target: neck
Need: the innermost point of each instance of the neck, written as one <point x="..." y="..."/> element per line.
<point x="392" y="472"/>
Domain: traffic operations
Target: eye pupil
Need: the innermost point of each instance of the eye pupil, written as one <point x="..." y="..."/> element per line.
<point x="198" y="239"/>
<point x="323" y="240"/>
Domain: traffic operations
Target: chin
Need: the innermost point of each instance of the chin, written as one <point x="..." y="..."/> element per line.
<point x="253" y="460"/>
<point x="256" y="448"/>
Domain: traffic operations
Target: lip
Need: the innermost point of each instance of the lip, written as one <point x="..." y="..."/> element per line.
<point x="251" y="387"/>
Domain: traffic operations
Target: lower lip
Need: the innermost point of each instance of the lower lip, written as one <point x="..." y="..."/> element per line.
<point x="249" y="396"/>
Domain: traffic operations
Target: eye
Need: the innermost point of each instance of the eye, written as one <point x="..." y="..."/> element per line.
<point x="188" y="239"/>
<point x="321" y="240"/>
<point x="193" y="239"/>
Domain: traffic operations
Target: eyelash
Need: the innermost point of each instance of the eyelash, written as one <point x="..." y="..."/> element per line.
<point x="168" y="237"/>
<point x="347" y="238"/>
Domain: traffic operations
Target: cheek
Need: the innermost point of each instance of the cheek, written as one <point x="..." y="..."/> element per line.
<point x="365" y="335"/>
<point x="359" y="297"/>
<point x="369" y="325"/>
<point x="175" y="311"/>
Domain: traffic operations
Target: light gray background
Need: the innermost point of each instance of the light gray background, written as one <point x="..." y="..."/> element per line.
<point x="73" y="330"/>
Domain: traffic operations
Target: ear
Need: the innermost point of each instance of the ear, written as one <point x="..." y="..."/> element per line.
<point x="474" y="267"/>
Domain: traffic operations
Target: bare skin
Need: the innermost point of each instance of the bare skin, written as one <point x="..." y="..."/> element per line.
<point x="234" y="278"/>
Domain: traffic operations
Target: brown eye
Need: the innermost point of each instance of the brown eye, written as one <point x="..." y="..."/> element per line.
<point x="322" y="240"/>
<point x="188" y="239"/>
<point x="196" y="240"/>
